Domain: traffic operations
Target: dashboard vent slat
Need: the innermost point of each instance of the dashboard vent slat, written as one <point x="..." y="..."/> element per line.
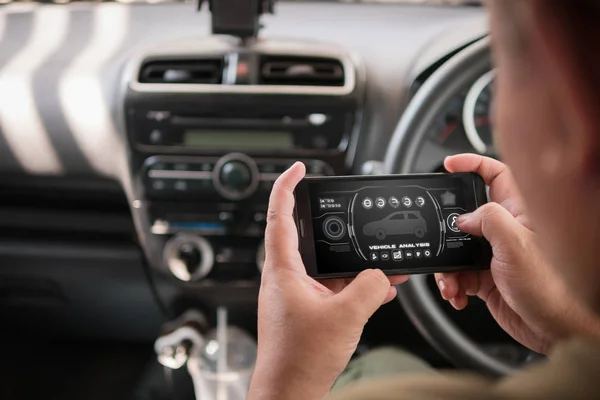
<point x="301" y="71"/>
<point x="196" y="71"/>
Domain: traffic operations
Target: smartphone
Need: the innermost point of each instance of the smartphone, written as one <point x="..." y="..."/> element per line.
<point x="401" y="224"/>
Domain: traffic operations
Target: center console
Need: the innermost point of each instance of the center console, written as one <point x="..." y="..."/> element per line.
<point x="211" y="124"/>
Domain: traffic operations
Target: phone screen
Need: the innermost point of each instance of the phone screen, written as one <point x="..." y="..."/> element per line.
<point x="400" y="224"/>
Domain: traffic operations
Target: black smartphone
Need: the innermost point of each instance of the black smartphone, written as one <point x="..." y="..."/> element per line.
<point x="401" y="224"/>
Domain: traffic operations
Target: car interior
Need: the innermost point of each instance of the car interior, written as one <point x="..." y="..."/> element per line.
<point x="139" y="142"/>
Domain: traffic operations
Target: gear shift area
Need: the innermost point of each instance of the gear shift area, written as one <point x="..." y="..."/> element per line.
<point x="220" y="361"/>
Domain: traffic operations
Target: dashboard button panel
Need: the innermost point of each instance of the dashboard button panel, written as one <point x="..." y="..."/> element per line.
<point x="234" y="177"/>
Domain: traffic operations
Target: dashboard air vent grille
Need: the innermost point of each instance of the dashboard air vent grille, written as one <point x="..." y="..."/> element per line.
<point x="192" y="71"/>
<point x="301" y="71"/>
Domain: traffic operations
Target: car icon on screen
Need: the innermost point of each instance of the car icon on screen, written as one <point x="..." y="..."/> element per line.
<point x="398" y="223"/>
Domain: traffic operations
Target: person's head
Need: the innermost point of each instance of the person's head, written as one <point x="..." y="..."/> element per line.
<point x="547" y="124"/>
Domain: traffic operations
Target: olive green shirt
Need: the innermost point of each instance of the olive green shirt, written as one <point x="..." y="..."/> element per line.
<point x="571" y="372"/>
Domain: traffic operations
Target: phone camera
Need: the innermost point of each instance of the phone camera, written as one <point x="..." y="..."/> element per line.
<point x="334" y="228"/>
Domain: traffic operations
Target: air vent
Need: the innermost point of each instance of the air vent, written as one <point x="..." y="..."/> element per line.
<point x="192" y="71"/>
<point x="301" y="71"/>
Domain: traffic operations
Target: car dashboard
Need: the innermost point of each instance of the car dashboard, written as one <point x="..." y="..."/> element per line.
<point x="137" y="151"/>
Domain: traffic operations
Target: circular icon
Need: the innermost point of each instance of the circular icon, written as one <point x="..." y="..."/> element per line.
<point x="380" y="202"/>
<point x="419" y="232"/>
<point x="334" y="228"/>
<point x="407" y="202"/>
<point x="427" y="253"/>
<point x="394" y="202"/>
<point x="367" y="203"/>
<point x="420" y="201"/>
<point x="451" y="222"/>
<point x="380" y="234"/>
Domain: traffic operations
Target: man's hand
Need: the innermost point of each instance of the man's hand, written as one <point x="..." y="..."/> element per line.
<point x="307" y="331"/>
<point x="523" y="293"/>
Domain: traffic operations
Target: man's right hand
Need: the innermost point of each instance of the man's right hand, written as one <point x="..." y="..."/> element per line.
<point x="522" y="291"/>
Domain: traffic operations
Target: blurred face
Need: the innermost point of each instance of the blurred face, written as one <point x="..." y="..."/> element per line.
<point x="548" y="129"/>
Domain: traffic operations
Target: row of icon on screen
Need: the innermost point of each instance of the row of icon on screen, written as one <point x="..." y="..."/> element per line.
<point x="393" y="202"/>
<point x="400" y="255"/>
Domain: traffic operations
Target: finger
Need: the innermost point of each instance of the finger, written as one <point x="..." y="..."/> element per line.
<point x="448" y="285"/>
<point x="452" y="285"/>
<point x="398" y="280"/>
<point x="393" y="292"/>
<point x="281" y="237"/>
<point x="460" y="301"/>
<point x="337" y="285"/>
<point x="365" y="294"/>
<point x="495" y="174"/>
<point x="493" y="222"/>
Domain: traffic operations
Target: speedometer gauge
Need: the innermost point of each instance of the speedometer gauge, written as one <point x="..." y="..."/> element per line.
<point x="477" y="114"/>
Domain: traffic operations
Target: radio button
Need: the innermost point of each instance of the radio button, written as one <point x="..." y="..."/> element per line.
<point x="160" y="166"/>
<point x="226" y="216"/>
<point x="158" y="185"/>
<point x="181" y="185"/>
<point x="267" y="169"/>
<point x="155" y="137"/>
<point x="206" y="167"/>
<point x="260" y="217"/>
<point x="316" y="169"/>
<point x="182" y="166"/>
<point x="158" y="115"/>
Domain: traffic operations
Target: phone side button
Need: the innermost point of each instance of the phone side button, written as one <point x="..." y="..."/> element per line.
<point x="302" y="230"/>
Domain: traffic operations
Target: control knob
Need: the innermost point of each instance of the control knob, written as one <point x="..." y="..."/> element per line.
<point x="188" y="257"/>
<point x="236" y="176"/>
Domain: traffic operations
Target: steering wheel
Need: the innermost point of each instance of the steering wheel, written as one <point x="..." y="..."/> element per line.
<point x="415" y="296"/>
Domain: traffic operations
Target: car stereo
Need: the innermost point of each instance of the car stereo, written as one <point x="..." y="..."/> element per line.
<point x="247" y="131"/>
<point x="211" y="124"/>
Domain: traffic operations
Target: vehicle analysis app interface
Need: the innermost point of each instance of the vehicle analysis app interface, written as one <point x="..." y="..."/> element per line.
<point x="392" y="224"/>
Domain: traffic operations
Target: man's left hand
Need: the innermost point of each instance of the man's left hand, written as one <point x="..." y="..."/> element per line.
<point x="307" y="330"/>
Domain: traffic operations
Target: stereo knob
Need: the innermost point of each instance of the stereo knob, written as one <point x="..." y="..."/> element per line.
<point x="189" y="258"/>
<point x="236" y="176"/>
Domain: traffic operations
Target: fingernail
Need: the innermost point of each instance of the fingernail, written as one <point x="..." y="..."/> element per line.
<point x="442" y="285"/>
<point x="463" y="218"/>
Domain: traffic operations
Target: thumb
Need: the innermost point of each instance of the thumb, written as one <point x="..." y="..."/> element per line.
<point x="365" y="294"/>
<point x="491" y="221"/>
